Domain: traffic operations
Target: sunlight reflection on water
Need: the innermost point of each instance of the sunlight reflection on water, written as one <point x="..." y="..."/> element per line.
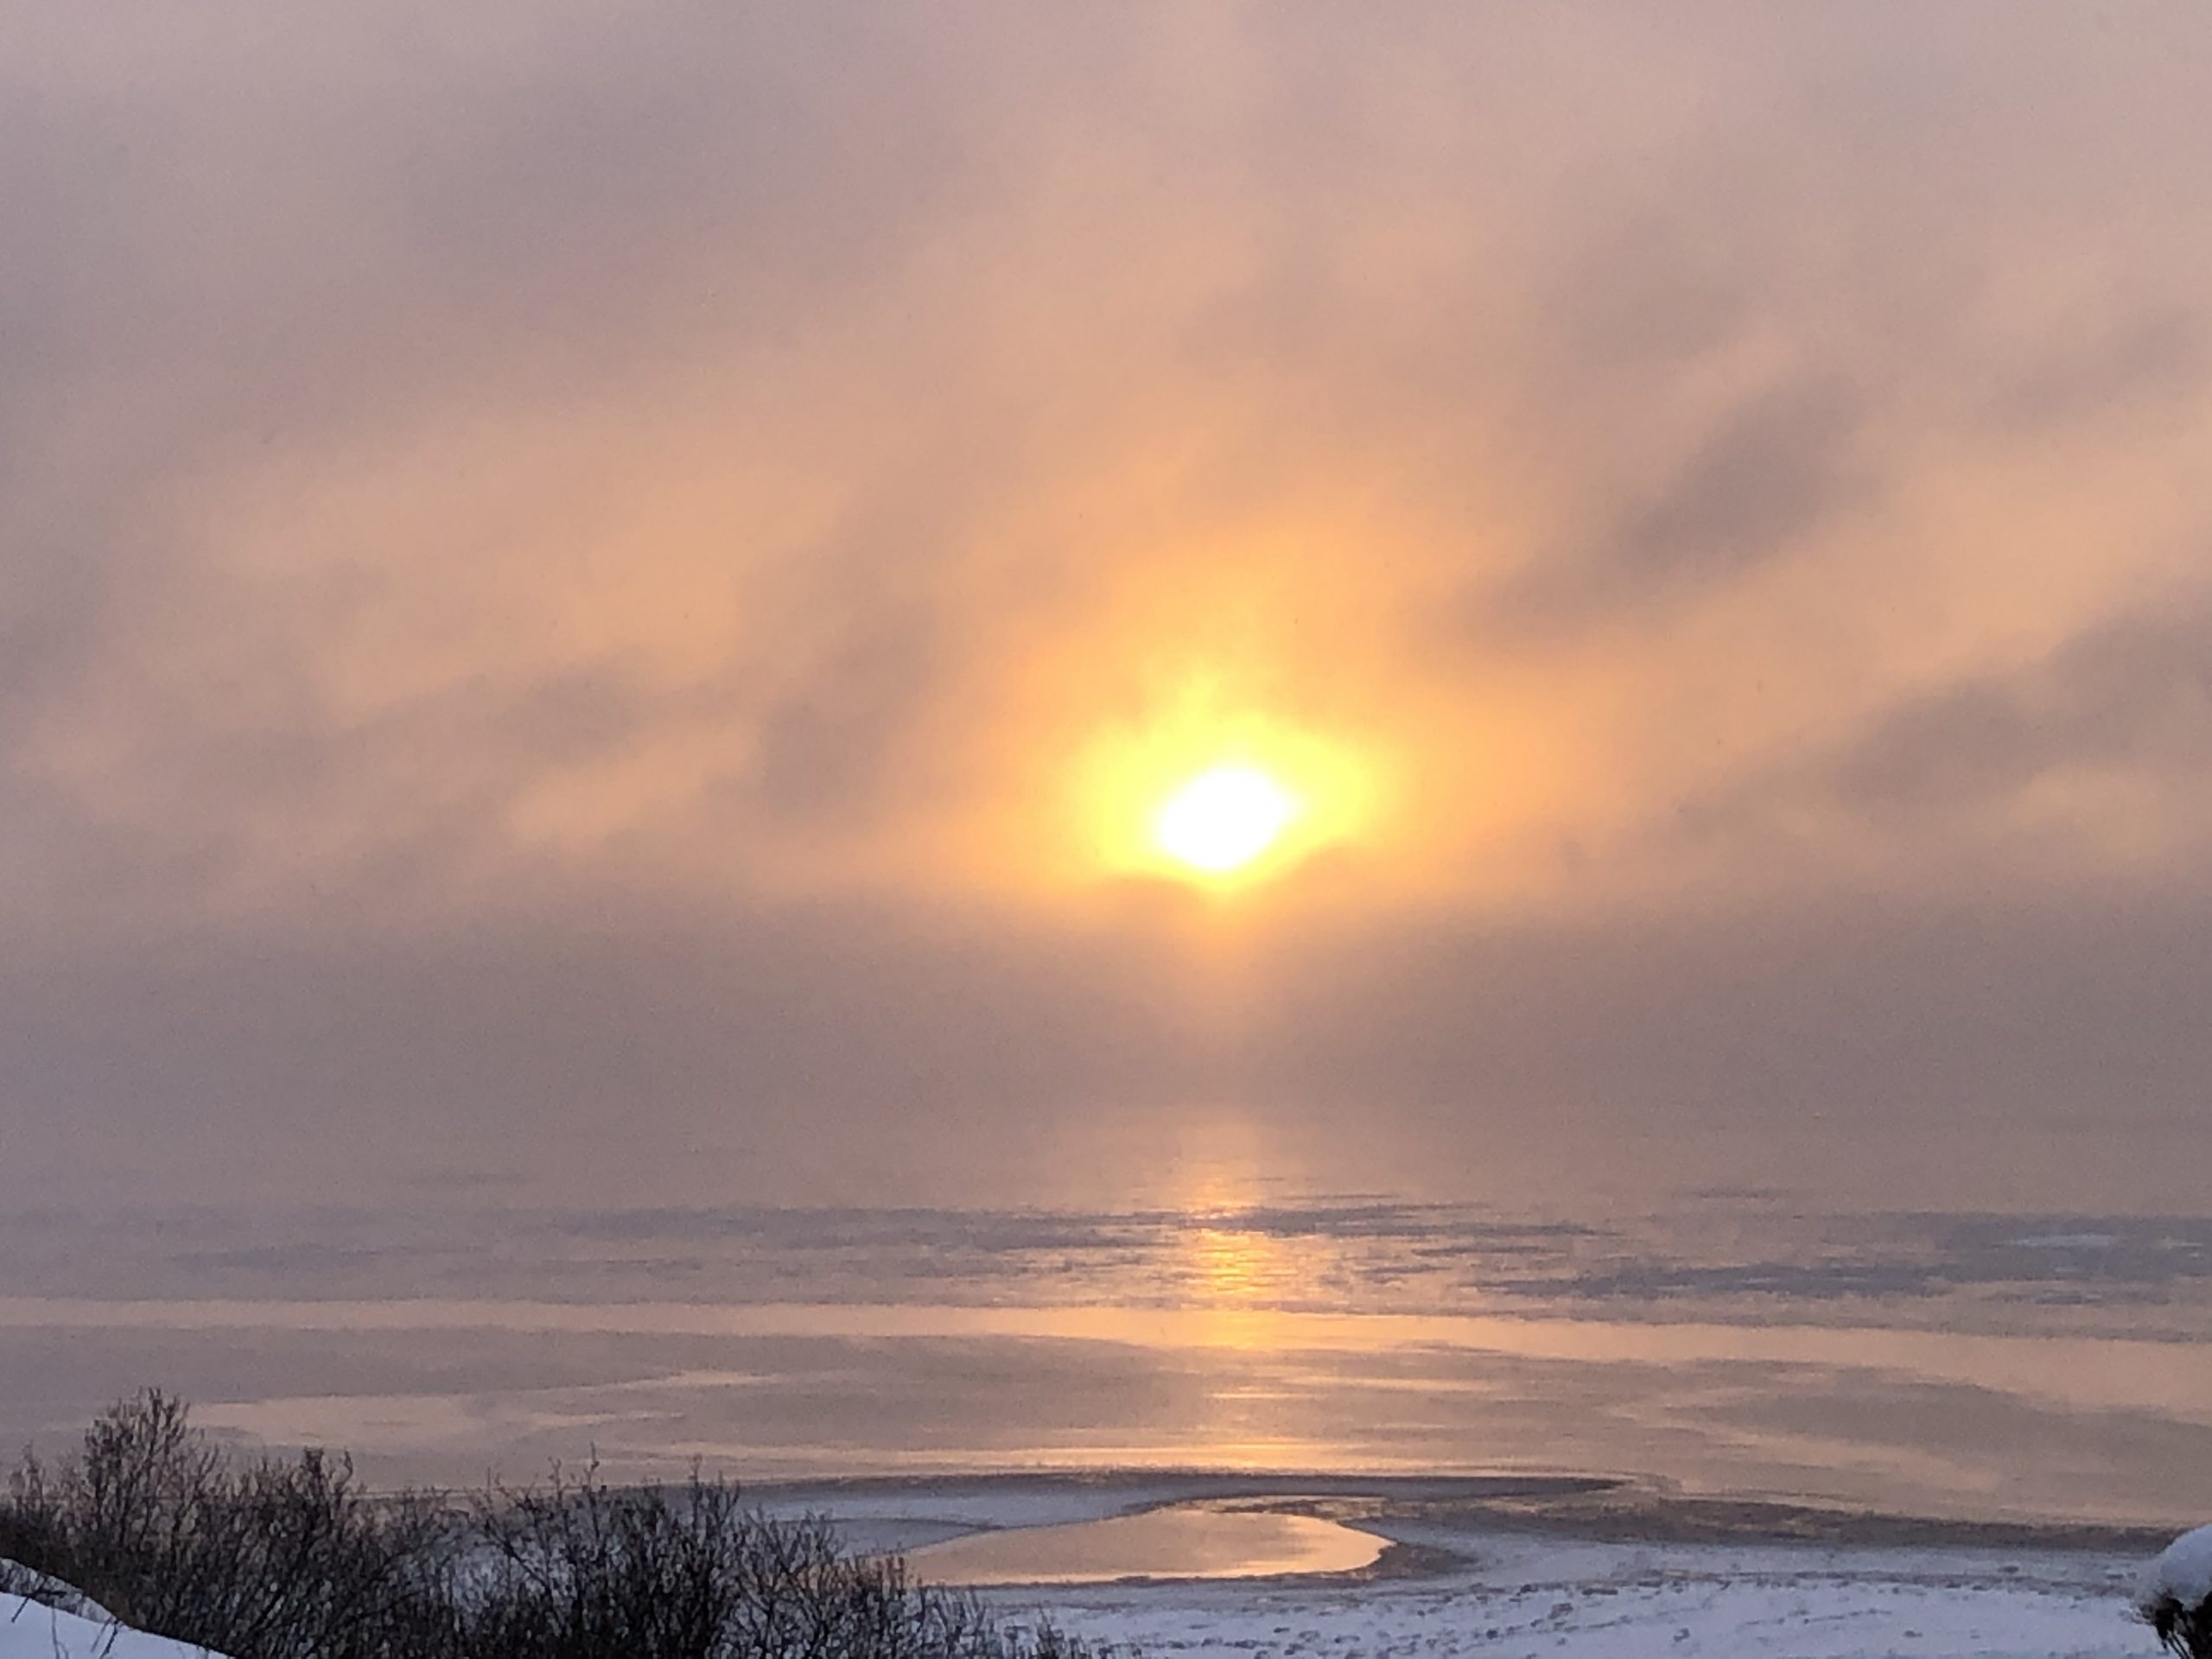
<point x="1184" y="1542"/>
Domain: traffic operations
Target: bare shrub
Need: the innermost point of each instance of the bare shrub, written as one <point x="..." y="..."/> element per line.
<point x="266" y="1559"/>
<point x="274" y="1560"/>
<point x="2184" y="1632"/>
<point x="582" y="1570"/>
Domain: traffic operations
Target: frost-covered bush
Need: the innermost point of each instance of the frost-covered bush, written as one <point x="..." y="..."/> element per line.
<point x="2175" y="1598"/>
<point x="272" y="1560"/>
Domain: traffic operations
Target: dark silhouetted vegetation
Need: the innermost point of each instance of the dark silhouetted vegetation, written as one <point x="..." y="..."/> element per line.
<point x="2185" y="1631"/>
<point x="271" y="1559"/>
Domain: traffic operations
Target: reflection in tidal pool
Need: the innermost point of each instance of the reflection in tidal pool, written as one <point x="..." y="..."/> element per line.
<point x="1194" y="1541"/>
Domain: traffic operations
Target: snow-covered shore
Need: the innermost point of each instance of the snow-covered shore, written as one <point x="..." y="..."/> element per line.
<point x="1524" y="1597"/>
<point x="1506" y="1594"/>
<point x="1460" y="1583"/>
<point x="1606" y="1601"/>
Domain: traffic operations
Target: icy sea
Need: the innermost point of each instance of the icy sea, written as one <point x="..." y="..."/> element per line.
<point x="1981" y="1366"/>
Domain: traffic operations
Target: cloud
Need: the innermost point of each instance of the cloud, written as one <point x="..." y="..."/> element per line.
<point x="2150" y="362"/>
<point x="2133" y="696"/>
<point x="551" y="562"/>
<point x="1773" y="471"/>
<point x="2102" y="742"/>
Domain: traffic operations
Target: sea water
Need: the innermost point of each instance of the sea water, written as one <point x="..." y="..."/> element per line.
<point x="1948" y="1363"/>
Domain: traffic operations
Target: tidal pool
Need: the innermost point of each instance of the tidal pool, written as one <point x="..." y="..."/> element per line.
<point x="1184" y="1541"/>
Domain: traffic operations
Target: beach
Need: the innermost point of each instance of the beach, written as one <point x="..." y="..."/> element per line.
<point x="1499" y="1567"/>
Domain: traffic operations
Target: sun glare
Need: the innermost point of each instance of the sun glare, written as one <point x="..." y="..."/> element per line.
<point x="1202" y="792"/>
<point x="1222" y="819"/>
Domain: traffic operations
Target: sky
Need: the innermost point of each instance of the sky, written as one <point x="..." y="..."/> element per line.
<point x="596" y="600"/>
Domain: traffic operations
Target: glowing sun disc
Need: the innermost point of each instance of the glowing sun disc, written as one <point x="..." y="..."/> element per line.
<point x="1222" y="819"/>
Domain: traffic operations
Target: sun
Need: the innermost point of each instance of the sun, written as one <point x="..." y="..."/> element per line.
<point x="1222" y="819"/>
<point x="1207" y="791"/>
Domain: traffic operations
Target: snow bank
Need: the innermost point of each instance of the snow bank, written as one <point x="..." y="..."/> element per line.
<point x="31" y="1629"/>
<point x="37" y="1630"/>
<point x="2182" y="1574"/>
<point x="17" y="1579"/>
<point x="2175" y="1595"/>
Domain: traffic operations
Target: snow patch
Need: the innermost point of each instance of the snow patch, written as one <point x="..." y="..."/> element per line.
<point x="33" y="1630"/>
<point x="2181" y="1575"/>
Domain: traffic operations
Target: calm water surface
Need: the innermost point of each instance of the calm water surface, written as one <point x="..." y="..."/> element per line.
<point x="1184" y="1542"/>
<point x="1949" y="1363"/>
